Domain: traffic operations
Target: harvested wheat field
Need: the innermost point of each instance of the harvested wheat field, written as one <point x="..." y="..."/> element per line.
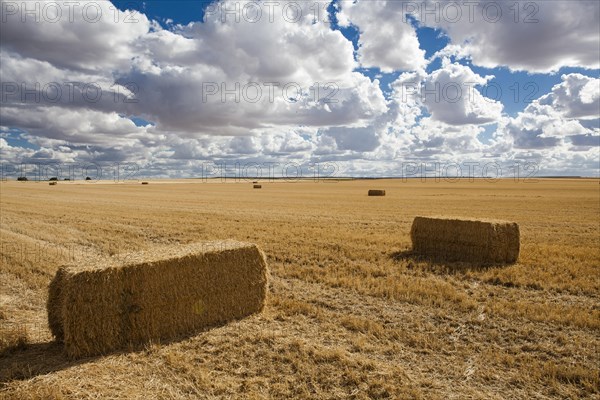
<point x="351" y="311"/>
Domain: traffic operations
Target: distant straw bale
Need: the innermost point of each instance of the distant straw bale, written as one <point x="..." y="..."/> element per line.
<point x="154" y="295"/>
<point x="376" y="192"/>
<point x="52" y="183"/>
<point x="257" y="186"/>
<point x="480" y="241"/>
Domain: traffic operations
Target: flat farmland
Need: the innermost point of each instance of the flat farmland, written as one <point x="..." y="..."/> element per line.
<point x="351" y="313"/>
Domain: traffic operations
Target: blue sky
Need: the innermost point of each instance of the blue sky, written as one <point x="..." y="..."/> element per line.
<point x="535" y="97"/>
<point x="179" y="11"/>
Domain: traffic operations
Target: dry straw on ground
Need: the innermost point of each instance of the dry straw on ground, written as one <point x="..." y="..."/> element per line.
<point x="376" y="192"/>
<point x="451" y="239"/>
<point x="152" y="295"/>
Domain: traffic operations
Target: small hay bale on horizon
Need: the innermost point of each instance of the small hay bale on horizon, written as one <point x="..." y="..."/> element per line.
<point x="376" y="192"/>
<point x="257" y="186"/>
<point x="144" y="183"/>
<point x="160" y="294"/>
<point x="53" y="183"/>
<point x="468" y="240"/>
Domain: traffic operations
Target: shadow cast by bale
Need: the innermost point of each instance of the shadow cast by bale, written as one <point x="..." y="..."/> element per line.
<point x="27" y="361"/>
<point x="403" y="255"/>
<point x="439" y="265"/>
<point x="30" y="360"/>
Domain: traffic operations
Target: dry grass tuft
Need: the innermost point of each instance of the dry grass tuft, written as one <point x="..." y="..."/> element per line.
<point x="155" y="295"/>
<point x="12" y="338"/>
<point x="452" y="239"/>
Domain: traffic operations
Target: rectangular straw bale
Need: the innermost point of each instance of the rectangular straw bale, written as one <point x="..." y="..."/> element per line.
<point x="452" y="239"/>
<point x="157" y="294"/>
<point x="376" y="192"/>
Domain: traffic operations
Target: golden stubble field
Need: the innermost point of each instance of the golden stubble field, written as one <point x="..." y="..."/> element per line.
<point x="350" y="314"/>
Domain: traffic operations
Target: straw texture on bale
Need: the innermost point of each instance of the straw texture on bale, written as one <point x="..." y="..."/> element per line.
<point x="163" y="293"/>
<point x="481" y="241"/>
<point x="54" y="305"/>
<point x="375" y="192"/>
<point x="257" y="186"/>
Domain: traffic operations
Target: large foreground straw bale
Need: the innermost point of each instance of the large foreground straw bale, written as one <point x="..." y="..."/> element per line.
<point x="481" y="241"/>
<point x="152" y="295"/>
